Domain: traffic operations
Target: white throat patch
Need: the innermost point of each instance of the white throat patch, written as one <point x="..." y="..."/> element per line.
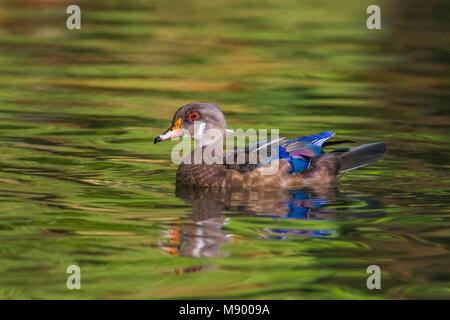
<point x="204" y="137"/>
<point x="198" y="133"/>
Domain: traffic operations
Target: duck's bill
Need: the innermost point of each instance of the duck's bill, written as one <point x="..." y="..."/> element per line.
<point x="173" y="132"/>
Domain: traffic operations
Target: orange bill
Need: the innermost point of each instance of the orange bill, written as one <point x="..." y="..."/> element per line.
<point x="172" y="132"/>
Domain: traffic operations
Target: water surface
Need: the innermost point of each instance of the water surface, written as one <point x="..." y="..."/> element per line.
<point x="81" y="182"/>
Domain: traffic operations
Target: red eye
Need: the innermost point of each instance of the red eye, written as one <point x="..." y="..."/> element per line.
<point x="194" y="116"/>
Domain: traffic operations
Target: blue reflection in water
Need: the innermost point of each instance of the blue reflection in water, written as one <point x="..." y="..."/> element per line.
<point x="298" y="232"/>
<point x="301" y="206"/>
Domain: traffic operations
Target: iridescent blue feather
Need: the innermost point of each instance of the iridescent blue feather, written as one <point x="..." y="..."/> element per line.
<point x="300" y="151"/>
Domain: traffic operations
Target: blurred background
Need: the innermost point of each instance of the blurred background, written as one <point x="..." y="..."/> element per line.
<point x="82" y="183"/>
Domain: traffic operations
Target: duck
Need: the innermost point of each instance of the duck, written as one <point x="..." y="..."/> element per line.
<point x="298" y="162"/>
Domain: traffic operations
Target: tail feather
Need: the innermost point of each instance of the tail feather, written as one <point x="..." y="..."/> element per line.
<point x="362" y="155"/>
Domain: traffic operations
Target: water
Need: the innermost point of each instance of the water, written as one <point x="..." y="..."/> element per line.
<point x="81" y="182"/>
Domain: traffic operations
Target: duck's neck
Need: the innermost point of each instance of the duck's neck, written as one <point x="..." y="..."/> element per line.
<point x="206" y="151"/>
<point x="209" y="137"/>
<point x="202" y="143"/>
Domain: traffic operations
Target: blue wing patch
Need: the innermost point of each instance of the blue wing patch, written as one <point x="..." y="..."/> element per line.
<point x="318" y="139"/>
<point x="300" y="151"/>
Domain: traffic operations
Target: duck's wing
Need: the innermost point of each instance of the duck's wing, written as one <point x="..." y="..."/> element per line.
<point x="298" y="152"/>
<point x="309" y="146"/>
<point x="254" y="156"/>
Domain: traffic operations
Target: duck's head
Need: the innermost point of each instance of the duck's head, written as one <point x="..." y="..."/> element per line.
<point x="194" y="120"/>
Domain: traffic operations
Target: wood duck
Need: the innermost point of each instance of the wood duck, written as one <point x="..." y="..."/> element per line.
<point x="299" y="162"/>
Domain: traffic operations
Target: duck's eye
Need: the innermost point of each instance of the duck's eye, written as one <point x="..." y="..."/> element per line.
<point x="194" y="116"/>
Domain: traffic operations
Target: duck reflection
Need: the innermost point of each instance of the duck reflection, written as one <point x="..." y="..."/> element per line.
<point x="203" y="233"/>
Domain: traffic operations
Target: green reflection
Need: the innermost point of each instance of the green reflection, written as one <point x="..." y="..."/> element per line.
<point x="81" y="182"/>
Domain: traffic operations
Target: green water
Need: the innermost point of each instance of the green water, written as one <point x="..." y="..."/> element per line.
<point x="82" y="183"/>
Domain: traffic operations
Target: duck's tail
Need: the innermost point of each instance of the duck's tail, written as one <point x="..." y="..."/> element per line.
<point x="362" y="155"/>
